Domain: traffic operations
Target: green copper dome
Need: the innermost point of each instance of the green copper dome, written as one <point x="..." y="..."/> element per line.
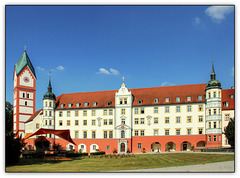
<point x="49" y="95"/>
<point x="213" y="83"/>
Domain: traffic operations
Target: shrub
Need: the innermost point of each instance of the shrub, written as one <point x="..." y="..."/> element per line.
<point x="98" y="153"/>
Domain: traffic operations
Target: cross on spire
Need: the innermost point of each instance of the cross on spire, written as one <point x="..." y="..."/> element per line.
<point x="25" y="48"/>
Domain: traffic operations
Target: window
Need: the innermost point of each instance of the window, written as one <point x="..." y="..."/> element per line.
<point x="209" y="125"/>
<point x="68" y="122"/>
<point x="166" y="100"/>
<point x="136" y="120"/>
<point x="167" y="132"/>
<point x="122" y="134"/>
<point x="209" y="112"/>
<point x="94" y="103"/>
<point x="60" y="114"/>
<point x="214" y="138"/>
<point x="45" y="113"/>
<point x="105" y="112"/>
<point x="200" y="107"/>
<point x="76" y="113"/>
<point x="167" y="120"/>
<point x="209" y="138"/>
<point x="136" y="111"/>
<point x="123" y="121"/>
<point x="214" y="94"/>
<point x="189" y="98"/>
<point x="93" y="122"/>
<point x="189" y="108"/>
<point x="84" y="122"/>
<point x="142" y="110"/>
<point x="200" y="118"/>
<point x="177" y="131"/>
<point x="155" y="132"/>
<point x="209" y="95"/>
<point x="200" y="131"/>
<point x="231" y="96"/>
<point x="45" y="122"/>
<point x="50" y="113"/>
<point x="177" y="99"/>
<point x="86" y="104"/>
<point x="62" y="105"/>
<point x="140" y="101"/>
<point x="178" y="119"/>
<point x="125" y="100"/>
<point x="155" y="110"/>
<point x="142" y="120"/>
<point x="108" y="147"/>
<point x="93" y="134"/>
<point x="199" y="98"/>
<point x="214" y="125"/>
<point x="50" y="104"/>
<point x="70" y="105"/>
<point x="226" y="104"/>
<point x="68" y="113"/>
<point x="121" y="101"/>
<point x="25" y="103"/>
<point x="105" y="122"/>
<point x="189" y="131"/>
<point x="94" y="147"/>
<point x="156" y="100"/>
<point x="166" y="109"/>
<point x="104" y="134"/>
<point x="60" y="123"/>
<point x="219" y="111"/>
<point x="84" y="134"/>
<point x="76" y="122"/>
<point x="109" y="103"/>
<point x="136" y="132"/>
<point x="142" y="132"/>
<point x="155" y="120"/>
<point x="110" y="112"/>
<point x="50" y="122"/>
<point x="110" y="134"/>
<point x="214" y="111"/>
<point x="189" y="119"/>
<point x="93" y="112"/>
<point x="23" y="95"/>
<point x="110" y="122"/>
<point x="227" y="117"/>
<point x="76" y="134"/>
<point x="37" y="126"/>
<point x="178" y="109"/>
<point x="77" y="104"/>
<point x="84" y="113"/>
<point x="122" y="111"/>
<point x="139" y="146"/>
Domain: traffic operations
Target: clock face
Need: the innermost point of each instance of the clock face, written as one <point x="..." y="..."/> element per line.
<point x="26" y="79"/>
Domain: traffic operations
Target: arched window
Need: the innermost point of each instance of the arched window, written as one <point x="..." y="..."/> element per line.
<point x="122" y="134"/>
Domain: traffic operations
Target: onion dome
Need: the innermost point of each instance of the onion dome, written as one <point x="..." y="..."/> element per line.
<point x="213" y="83"/>
<point x="49" y="95"/>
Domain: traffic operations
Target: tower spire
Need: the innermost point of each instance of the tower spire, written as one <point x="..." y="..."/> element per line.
<point x="213" y="74"/>
<point x="49" y="85"/>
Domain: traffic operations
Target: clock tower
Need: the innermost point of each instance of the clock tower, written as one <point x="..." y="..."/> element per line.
<point x="24" y="88"/>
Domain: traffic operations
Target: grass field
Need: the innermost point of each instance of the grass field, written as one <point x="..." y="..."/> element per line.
<point x="140" y="161"/>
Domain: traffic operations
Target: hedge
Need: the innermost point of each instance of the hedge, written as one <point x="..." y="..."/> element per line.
<point x="98" y="153"/>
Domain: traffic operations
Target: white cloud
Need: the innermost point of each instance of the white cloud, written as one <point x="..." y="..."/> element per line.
<point x="197" y="20"/>
<point x="60" y="68"/>
<point x="218" y="13"/>
<point x="167" y="84"/>
<point x="110" y="72"/>
<point x="114" y="71"/>
<point x="40" y="68"/>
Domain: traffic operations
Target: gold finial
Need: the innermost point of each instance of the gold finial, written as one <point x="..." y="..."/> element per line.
<point x="123" y="79"/>
<point x="25" y="47"/>
<point x="212" y="57"/>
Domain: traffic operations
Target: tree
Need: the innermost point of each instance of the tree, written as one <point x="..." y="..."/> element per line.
<point x="229" y="132"/>
<point x="8" y="117"/>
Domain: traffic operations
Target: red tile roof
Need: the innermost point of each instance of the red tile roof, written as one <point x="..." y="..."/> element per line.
<point x="226" y="98"/>
<point x="146" y="94"/>
<point x="34" y="115"/>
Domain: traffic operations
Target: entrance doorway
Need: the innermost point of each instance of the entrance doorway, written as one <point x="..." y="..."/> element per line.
<point x="122" y="147"/>
<point x="184" y="146"/>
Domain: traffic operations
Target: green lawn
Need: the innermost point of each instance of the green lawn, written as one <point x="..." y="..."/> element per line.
<point x="141" y="161"/>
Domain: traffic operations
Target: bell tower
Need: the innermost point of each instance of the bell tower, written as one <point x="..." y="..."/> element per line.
<point x="24" y="88"/>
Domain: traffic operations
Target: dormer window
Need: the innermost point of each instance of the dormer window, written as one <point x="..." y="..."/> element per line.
<point x="199" y="98"/>
<point x="86" y="104"/>
<point x="77" y="104"/>
<point x="231" y="96"/>
<point x="62" y="105"/>
<point x="226" y="104"/>
<point x="109" y="103"/>
<point x="177" y="99"/>
<point x="156" y="100"/>
<point x="140" y="101"/>
<point x="94" y="103"/>
<point x="166" y="100"/>
<point x="70" y="105"/>
<point x="189" y="98"/>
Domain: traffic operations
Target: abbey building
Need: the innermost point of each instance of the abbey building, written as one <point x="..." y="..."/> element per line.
<point x="152" y="119"/>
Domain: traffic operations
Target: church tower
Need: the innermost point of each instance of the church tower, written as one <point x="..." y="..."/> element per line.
<point x="24" y="88"/>
<point x="213" y="111"/>
<point x="49" y="103"/>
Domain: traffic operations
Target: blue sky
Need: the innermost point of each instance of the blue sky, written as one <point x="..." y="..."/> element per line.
<point x="90" y="48"/>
